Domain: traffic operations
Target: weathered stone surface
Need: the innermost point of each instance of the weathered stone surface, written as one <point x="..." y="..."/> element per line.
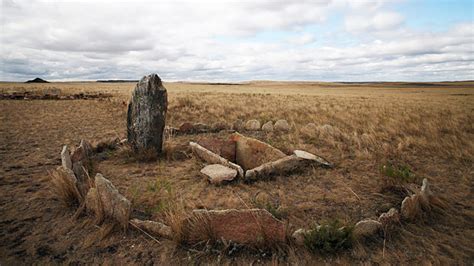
<point x="147" y="114"/>
<point x="82" y="153"/>
<point x="238" y="125"/>
<point x="299" y="235"/>
<point x="249" y="226"/>
<point x="154" y="228"/>
<point x="281" y="125"/>
<point x="224" y="148"/>
<point x="366" y="228"/>
<point x="268" y="127"/>
<point x="252" y="125"/>
<point x="410" y="207"/>
<point x="113" y="204"/>
<point x="311" y="157"/>
<point x="217" y="173"/>
<point x="212" y="158"/>
<point x="251" y="153"/>
<point x="82" y="177"/>
<point x="392" y="217"/>
<point x="287" y="164"/>
<point x="92" y="202"/>
<point x="66" y="158"/>
<point x="66" y="182"/>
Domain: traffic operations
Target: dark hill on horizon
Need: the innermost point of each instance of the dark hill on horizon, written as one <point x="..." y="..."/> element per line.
<point x="37" y="80"/>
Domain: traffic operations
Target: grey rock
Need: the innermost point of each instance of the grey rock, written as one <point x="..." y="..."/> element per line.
<point x="154" y="228"/>
<point x="146" y="115"/>
<point x="281" y="125"/>
<point x="389" y="218"/>
<point x="366" y="228"/>
<point x="66" y="158"/>
<point x="217" y="173"/>
<point x="113" y="204"/>
<point x="268" y="127"/>
<point x="252" y="125"/>
<point x="311" y="157"/>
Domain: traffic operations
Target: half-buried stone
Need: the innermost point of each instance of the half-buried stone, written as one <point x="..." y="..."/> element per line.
<point x="217" y="173"/>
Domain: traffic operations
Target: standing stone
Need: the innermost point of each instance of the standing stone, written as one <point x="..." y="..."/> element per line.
<point x="147" y="114"/>
<point x="66" y="158"/>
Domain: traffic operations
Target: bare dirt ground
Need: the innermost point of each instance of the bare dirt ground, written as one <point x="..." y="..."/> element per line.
<point x="427" y="127"/>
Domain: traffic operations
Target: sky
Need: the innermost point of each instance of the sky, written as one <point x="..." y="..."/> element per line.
<point x="223" y="40"/>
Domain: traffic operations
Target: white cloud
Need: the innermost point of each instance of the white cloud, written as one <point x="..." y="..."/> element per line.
<point x="220" y="40"/>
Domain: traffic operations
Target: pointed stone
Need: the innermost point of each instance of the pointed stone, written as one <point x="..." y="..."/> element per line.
<point x="66" y="158"/>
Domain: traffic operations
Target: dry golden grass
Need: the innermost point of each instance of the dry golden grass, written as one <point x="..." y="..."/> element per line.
<point x="428" y="129"/>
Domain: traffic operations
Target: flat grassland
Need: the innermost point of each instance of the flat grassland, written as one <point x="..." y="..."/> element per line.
<point x="425" y="129"/>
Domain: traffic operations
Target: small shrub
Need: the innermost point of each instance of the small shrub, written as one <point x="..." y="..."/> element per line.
<point x="328" y="238"/>
<point x="398" y="172"/>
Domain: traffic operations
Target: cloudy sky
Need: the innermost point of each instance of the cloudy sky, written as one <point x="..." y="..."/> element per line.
<point x="219" y="40"/>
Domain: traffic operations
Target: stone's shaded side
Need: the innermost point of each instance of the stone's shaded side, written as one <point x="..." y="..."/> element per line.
<point x="223" y="148"/>
<point x="210" y="157"/>
<point x="113" y="204"/>
<point x="248" y="226"/>
<point x="251" y="153"/>
<point x="146" y="115"/>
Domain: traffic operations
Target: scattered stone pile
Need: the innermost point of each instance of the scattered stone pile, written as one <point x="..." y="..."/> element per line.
<point x="412" y="207"/>
<point x="250" y="159"/>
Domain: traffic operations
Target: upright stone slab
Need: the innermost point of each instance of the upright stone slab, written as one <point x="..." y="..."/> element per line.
<point x="147" y="114"/>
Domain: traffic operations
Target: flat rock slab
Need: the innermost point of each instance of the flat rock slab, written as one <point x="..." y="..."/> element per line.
<point x="217" y="173"/>
<point x="248" y="227"/>
<point x="251" y="153"/>
<point x="223" y="148"/>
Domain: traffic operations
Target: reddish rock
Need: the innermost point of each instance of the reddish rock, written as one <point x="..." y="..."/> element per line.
<point x="249" y="226"/>
<point x="223" y="148"/>
<point x="186" y="128"/>
<point x="251" y="153"/>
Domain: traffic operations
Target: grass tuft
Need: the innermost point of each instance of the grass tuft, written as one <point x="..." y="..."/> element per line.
<point x="328" y="238"/>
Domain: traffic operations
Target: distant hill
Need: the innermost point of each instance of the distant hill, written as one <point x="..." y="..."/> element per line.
<point x="117" y="80"/>
<point x="37" y="80"/>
